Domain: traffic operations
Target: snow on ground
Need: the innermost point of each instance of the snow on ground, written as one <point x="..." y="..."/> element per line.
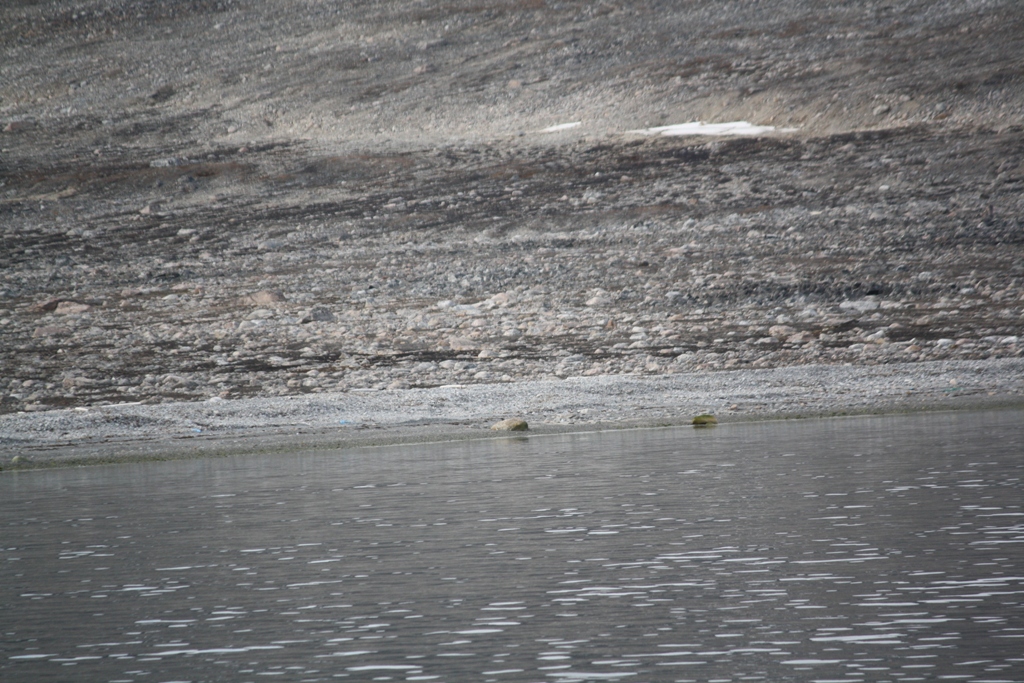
<point x="701" y="128"/>
<point x="561" y="126"/>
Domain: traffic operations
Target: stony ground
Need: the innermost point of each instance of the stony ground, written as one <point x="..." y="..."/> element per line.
<point x="219" y="199"/>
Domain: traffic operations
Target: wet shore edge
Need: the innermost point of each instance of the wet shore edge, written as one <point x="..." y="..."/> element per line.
<point x="128" y="433"/>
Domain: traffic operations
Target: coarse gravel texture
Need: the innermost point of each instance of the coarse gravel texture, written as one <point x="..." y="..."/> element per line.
<point x="259" y="199"/>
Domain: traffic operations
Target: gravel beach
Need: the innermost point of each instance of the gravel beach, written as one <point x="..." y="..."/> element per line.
<point x="231" y="220"/>
<point x="134" y="432"/>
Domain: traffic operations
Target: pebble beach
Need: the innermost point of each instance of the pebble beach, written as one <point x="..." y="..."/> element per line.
<point x="389" y="219"/>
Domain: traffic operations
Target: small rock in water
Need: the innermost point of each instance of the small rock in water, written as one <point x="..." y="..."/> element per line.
<point x="512" y="424"/>
<point x="705" y="421"/>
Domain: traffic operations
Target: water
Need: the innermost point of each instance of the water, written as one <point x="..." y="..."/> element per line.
<point x="871" y="549"/>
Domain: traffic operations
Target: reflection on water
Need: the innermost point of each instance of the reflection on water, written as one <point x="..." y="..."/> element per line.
<point x="875" y="549"/>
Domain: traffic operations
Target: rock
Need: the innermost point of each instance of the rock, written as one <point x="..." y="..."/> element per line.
<point x="70" y="382"/>
<point x="51" y="331"/>
<point x="861" y="305"/>
<point x="317" y="314"/>
<point x="881" y="109"/>
<point x="879" y="337"/>
<point x="704" y="421"/>
<point x="260" y="314"/>
<point x="43" y="306"/>
<point x="171" y="381"/>
<point x="162" y="94"/>
<point x="17" y="126"/>
<point x="799" y="338"/>
<point x="781" y="331"/>
<point x="512" y="424"/>
<point x="264" y="297"/>
<point x="463" y="344"/>
<point x="70" y="308"/>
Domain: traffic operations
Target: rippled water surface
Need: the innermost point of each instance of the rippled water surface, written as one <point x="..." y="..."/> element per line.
<point x="869" y="549"/>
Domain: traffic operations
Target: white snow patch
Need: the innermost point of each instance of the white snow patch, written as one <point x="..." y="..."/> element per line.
<point x="701" y="128"/>
<point x="562" y="126"/>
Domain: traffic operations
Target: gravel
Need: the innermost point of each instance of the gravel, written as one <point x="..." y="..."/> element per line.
<point x="139" y="432"/>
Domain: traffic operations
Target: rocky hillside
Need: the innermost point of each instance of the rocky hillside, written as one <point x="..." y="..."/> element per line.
<point x="202" y="198"/>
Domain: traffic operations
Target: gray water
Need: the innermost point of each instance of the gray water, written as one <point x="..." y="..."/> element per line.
<point x="868" y="549"/>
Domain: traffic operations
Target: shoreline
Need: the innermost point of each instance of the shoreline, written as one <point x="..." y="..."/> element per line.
<point x="140" y="433"/>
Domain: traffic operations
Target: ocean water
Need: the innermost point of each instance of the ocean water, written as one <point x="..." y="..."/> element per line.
<point x="862" y="549"/>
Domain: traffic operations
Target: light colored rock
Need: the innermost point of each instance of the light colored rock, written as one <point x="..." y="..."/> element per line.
<point x="861" y="305"/>
<point x="317" y="314"/>
<point x="463" y="344"/>
<point x="71" y="307"/>
<point x="512" y="424"/>
<point x="51" y="331"/>
<point x="781" y="331"/>
<point x="264" y="297"/>
<point x="260" y="314"/>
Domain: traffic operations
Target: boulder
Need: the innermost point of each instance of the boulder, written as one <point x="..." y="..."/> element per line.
<point x="512" y="424"/>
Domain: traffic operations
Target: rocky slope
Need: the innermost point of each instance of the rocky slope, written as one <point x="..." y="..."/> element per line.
<point x="234" y="199"/>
